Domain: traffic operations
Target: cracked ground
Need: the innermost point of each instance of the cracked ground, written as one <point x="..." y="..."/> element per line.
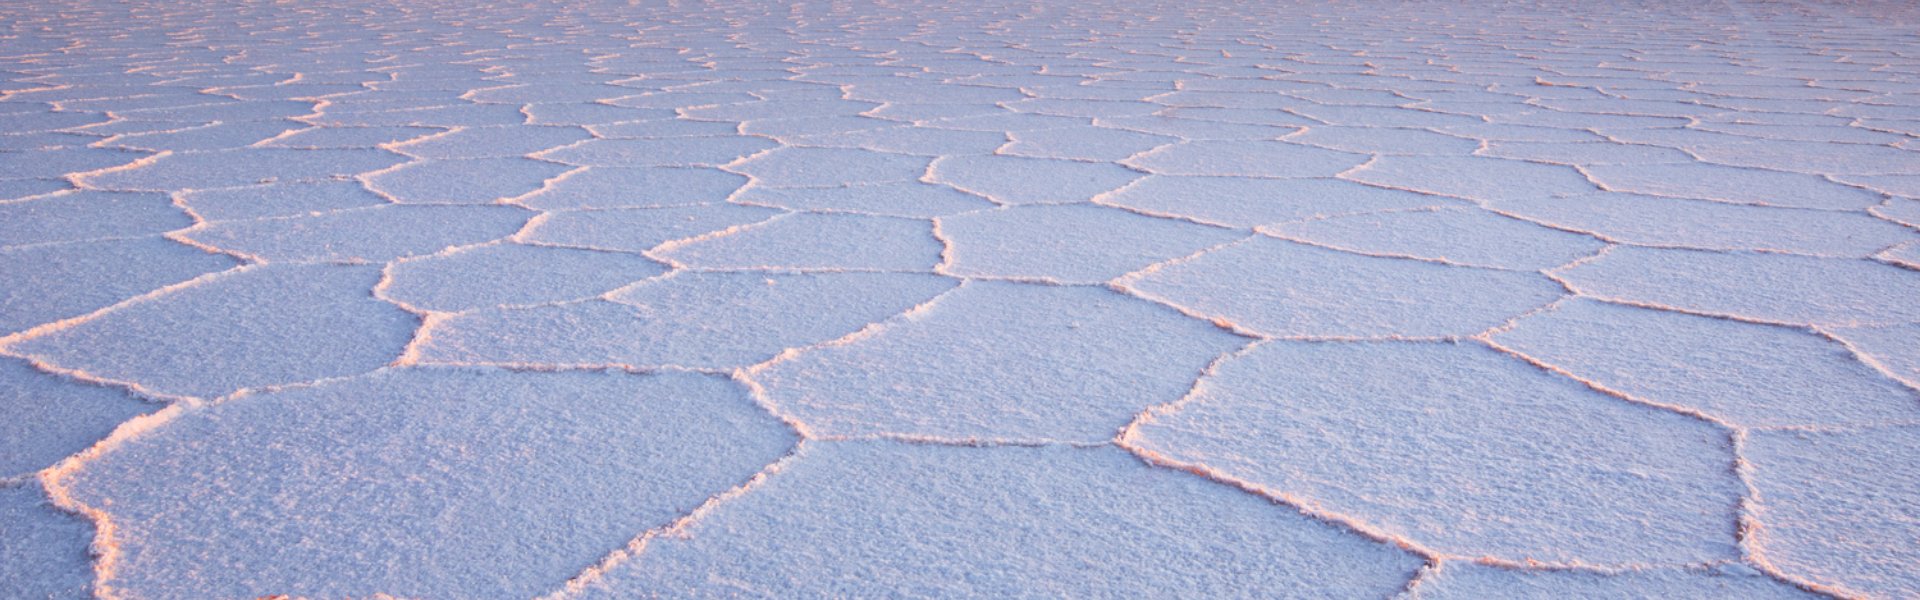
<point x="436" y="299"/>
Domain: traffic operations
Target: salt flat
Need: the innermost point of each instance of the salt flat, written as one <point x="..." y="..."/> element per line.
<point x="1334" y="299"/>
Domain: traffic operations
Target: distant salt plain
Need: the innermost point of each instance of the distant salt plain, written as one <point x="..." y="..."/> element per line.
<point x="356" y="299"/>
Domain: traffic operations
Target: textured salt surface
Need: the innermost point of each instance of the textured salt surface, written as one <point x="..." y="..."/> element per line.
<point x="359" y="298"/>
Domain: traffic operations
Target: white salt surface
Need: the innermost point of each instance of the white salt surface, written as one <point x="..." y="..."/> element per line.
<point x="367" y="298"/>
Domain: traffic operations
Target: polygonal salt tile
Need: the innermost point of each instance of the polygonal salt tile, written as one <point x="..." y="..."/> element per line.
<point x="1465" y="236"/>
<point x="1472" y="177"/>
<point x="1906" y="255"/>
<point x="226" y="168"/>
<point x="1769" y="287"/>
<point x="573" y="92"/>
<point x="637" y="187"/>
<point x="1241" y="202"/>
<point x="16" y="189"/>
<point x="63" y="161"/>
<point x="918" y="141"/>
<point x="1655" y="221"/>
<point x="1007" y="122"/>
<point x="494" y="142"/>
<point x="1895" y="348"/>
<point x="420" y="482"/>
<point x="1228" y="99"/>
<point x="1521" y="133"/>
<point x="349" y="137"/>
<point x="1587" y="153"/>
<point x="251" y="327"/>
<point x="997" y="360"/>
<point x="695" y="152"/>
<point x="374" y="234"/>
<point x="1684" y="138"/>
<point x="872" y="518"/>
<point x="49" y="121"/>
<point x="829" y="167"/>
<point x="44" y="553"/>
<point x="1381" y="116"/>
<point x="547" y="112"/>
<point x="1813" y="157"/>
<point x="1245" y="85"/>
<point x="1893" y="185"/>
<point x="1076" y="107"/>
<point x="1468" y="581"/>
<point x="932" y="111"/>
<point x="279" y="200"/>
<point x="1610" y="110"/>
<point x="1749" y="375"/>
<point x="664" y="128"/>
<point x="1899" y="210"/>
<point x="1585" y="120"/>
<point x="43" y="284"/>
<point x="1356" y="97"/>
<point x="1196" y="129"/>
<point x="218" y="136"/>
<point x="682" y="99"/>
<point x="1385" y="140"/>
<point x="100" y="99"/>
<point x="432" y="116"/>
<point x="641" y="229"/>
<point x="1069" y="243"/>
<point x="1242" y="116"/>
<point x="464" y="181"/>
<point x="258" y="110"/>
<point x="897" y="199"/>
<point x="510" y="274"/>
<point x="1463" y="450"/>
<point x="787" y="128"/>
<point x="817" y="241"/>
<point x="312" y="86"/>
<point x="1246" y="159"/>
<point x="782" y="109"/>
<point x="51" y="417"/>
<point x="84" y="215"/>
<point x="1732" y="184"/>
<point x="1083" y="143"/>
<point x="461" y="115"/>
<point x="1289" y="289"/>
<point x="930" y="92"/>
<point x="699" y="320"/>
<point x="1837" y="508"/>
<point x="1811" y="132"/>
<point x="1017" y="180"/>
